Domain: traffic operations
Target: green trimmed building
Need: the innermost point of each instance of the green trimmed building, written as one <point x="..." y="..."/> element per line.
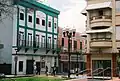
<point x="35" y="37"/>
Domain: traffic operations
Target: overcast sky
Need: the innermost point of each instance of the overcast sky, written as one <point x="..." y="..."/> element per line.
<point x="70" y="13"/>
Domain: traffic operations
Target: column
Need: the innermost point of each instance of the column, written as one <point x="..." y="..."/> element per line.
<point x="114" y="65"/>
<point x="88" y="64"/>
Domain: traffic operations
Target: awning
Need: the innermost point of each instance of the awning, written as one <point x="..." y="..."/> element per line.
<point x="99" y="6"/>
<point x="100" y="31"/>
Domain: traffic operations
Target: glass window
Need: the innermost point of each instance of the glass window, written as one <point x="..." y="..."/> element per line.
<point x="30" y="18"/>
<point x="20" y="66"/>
<point x="55" y="25"/>
<point x="43" y="22"/>
<point x="21" y="16"/>
<point x="49" y="24"/>
<point x="43" y="41"/>
<point x="80" y="45"/>
<point x="29" y="39"/>
<point x="37" y="40"/>
<point x="21" y="38"/>
<point x="55" y="43"/>
<point x="62" y="41"/>
<point x="42" y="64"/>
<point x="37" y="21"/>
<point x="75" y="44"/>
<point x="100" y="12"/>
<point x="49" y="42"/>
<point x="117" y="5"/>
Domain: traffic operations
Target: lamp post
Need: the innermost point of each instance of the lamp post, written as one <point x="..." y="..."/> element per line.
<point x="69" y="33"/>
<point x="16" y="59"/>
<point x="77" y="64"/>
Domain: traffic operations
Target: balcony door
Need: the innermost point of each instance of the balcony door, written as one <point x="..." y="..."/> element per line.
<point x="43" y="41"/>
<point x="29" y="40"/>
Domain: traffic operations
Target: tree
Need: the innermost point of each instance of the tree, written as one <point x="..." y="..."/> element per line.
<point x="7" y="9"/>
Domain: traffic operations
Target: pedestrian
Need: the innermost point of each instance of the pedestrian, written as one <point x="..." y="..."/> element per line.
<point x="46" y="71"/>
<point x="35" y="69"/>
<point x="54" y="70"/>
<point x="38" y="70"/>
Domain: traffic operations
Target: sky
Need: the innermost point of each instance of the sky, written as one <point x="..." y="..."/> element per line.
<point x="70" y="13"/>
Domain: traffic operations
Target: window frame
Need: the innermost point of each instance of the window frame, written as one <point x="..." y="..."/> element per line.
<point x="20" y="66"/>
<point x="21" y="16"/>
<point x="43" y="22"/>
<point x="37" y="21"/>
<point x="29" y="41"/>
<point x="30" y="18"/>
<point x="49" y="24"/>
<point x="55" y="25"/>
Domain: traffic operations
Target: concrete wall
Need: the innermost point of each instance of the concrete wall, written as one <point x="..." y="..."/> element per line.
<point x="6" y="31"/>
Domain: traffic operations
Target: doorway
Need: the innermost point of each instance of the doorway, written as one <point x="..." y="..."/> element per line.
<point x="29" y="66"/>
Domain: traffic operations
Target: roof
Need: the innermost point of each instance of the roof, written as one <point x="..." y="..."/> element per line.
<point x="100" y="31"/>
<point x="42" y="6"/>
<point x="99" y="5"/>
<point x="84" y="12"/>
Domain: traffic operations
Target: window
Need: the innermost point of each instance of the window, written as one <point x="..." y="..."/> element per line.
<point x="70" y="44"/>
<point x="62" y="41"/>
<point x="100" y="12"/>
<point x="30" y="18"/>
<point x="43" y="22"/>
<point x="20" y="66"/>
<point x="49" y="24"/>
<point x="49" y="42"/>
<point x="42" y="64"/>
<point x="43" y="41"/>
<point x="29" y="39"/>
<point x="21" y="16"/>
<point x="55" y="43"/>
<point x="80" y="45"/>
<point x="37" y="40"/>
<point x="75" y="44"/>
<point x="21" y="38"/>
<point x="55" y="25"/>
<point x="37" y="21"/>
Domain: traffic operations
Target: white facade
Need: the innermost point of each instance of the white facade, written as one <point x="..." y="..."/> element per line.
<point x="28" y="34"/>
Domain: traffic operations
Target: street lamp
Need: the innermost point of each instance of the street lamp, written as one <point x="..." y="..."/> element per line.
<point x="69" y="33"/>
<point x="16" y="59"/>
<point x="77" y="64"/>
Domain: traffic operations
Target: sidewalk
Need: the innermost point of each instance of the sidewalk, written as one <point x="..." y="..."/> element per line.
<point x="114" y="79"/>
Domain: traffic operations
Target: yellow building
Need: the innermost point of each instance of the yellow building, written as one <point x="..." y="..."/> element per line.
<point x="103" y="36"/>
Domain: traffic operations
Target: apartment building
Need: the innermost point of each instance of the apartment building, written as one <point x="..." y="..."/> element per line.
<point x="77" y="45"/>
<point x="103" y="36"/>
<point x="35" y="35"/>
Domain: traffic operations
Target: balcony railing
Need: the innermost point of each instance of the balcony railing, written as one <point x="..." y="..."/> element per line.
<point x="21" y="43"/>
<point x="100" y="39"/>
<point x="34" y="44"/>
<point x="101" y="17"/>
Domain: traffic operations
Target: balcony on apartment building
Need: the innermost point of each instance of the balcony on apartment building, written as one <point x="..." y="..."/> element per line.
<point x="101" y="42"/>
<point x="101" y="21"/>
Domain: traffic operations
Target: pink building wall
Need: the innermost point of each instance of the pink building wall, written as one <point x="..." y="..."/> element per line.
<point x="77" y="37"/>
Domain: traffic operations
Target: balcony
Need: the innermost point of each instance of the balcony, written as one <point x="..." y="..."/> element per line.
<point x="101" y="21"/>
<point x="101" y="43"/>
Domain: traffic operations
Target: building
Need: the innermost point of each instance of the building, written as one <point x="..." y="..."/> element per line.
<point x="103" y="36"/>
<point x="5" y="44"/>
<point x="34" y="37"/>
<point x="77" y="45"/>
